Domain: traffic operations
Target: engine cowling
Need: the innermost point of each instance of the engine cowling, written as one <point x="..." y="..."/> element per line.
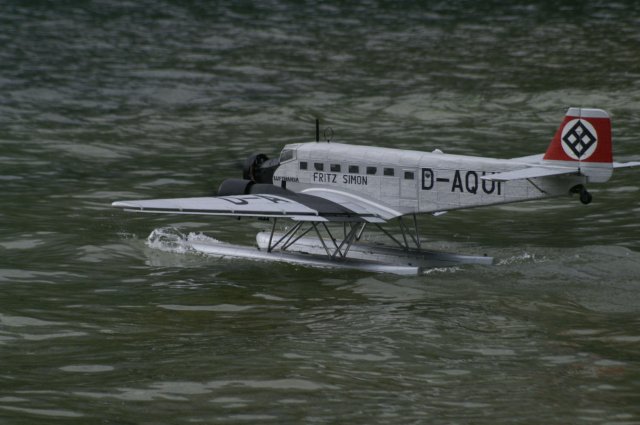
<point x="257" y="177"/>
<point x="231" y="187"/>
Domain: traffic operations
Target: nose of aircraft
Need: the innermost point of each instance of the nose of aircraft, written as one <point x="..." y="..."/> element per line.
<point x="259" y="168"/>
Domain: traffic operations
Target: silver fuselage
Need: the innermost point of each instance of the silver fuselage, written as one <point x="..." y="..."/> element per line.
<point x="411" y="181"/>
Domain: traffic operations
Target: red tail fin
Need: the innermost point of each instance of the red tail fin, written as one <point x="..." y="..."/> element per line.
<point x="584" y="136"/>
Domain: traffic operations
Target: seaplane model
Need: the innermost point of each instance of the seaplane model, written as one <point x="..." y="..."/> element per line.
<point x="321" y="185"/>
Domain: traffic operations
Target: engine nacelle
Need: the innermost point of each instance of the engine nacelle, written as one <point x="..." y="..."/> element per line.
<point x="257" y="177"/>
<point x="231" y="187"/>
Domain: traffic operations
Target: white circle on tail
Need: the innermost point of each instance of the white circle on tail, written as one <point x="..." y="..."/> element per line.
<point x="579" y="139"/>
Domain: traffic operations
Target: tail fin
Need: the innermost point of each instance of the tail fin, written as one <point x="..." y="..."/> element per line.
<point x="584" y="139"/>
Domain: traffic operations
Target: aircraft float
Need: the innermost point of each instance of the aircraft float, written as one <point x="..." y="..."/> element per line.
<point x="333" y="192"/>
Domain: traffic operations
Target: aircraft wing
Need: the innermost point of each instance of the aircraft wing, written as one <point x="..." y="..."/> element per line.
<point x="531" y="172"/>
<point x="300" y="207"/>
<point x="355" y="203"/>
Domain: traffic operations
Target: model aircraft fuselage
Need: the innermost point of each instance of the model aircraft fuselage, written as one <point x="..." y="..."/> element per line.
<point x="319" y="182"/>
<point x="410" y="181"/>
<point x="404" y="182"/>
<point x="325" y="181"/>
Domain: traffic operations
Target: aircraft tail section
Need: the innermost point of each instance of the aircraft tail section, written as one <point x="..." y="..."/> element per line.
<point x="581" y="146"/>
<point x="583" y="140"/>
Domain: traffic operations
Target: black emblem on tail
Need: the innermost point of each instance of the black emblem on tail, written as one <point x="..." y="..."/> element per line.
<point x="579" y="139"/>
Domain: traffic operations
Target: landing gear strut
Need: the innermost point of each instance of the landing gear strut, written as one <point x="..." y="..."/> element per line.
<point x="585" y="196"/>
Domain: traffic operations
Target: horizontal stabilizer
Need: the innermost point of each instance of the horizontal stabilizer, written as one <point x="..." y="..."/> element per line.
<point x="530" y="158"/>
<point x="626" y="164"/>
<point x="531" y="172"/>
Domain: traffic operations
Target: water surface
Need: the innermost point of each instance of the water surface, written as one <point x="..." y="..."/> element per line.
<point x="105" y="100"/>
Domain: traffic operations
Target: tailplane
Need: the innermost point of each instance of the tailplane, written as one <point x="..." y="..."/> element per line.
<point x="580" y="147"/>
<point x="584" y="140"/>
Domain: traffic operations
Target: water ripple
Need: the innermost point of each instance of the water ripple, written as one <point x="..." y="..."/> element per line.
<point x="105" y="101"/>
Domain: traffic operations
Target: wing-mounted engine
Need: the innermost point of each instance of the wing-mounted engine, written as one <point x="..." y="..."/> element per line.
<point x="232" y="187"/>
<point x="257" y="177"/>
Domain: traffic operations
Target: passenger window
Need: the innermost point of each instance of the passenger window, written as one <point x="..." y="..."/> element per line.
<point x="389" y="172"/>
<point x="408" y="175"/>
<point x="371" y="170"/>
<point x="303" y="165"/>
<point x="335" y="168"/>
<point x="319" y="166"/>
<point x="354" y="169"/>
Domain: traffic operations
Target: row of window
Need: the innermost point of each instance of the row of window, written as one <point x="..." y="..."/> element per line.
<point x="355" y="169"/>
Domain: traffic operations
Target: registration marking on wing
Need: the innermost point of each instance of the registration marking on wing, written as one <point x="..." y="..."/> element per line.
<point x="256" y="205"/>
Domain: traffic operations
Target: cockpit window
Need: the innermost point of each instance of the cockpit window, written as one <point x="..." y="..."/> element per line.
<point x="287" y="155"/>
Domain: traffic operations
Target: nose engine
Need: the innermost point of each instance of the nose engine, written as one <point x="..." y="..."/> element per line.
<point x="259" y="168"/>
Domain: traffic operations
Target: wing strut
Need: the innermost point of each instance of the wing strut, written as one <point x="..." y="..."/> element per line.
<point x="352" y="236"/>
<point x="324" y="245"/>
<point x="405" y="230"/>
<point x="289" y="233"/>
<point x="415" y="228"/>
<point x="297" y="231"/>
<point x="332" y="247"/>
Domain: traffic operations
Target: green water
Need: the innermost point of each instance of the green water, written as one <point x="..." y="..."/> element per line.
<point x="102" y="101"/>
